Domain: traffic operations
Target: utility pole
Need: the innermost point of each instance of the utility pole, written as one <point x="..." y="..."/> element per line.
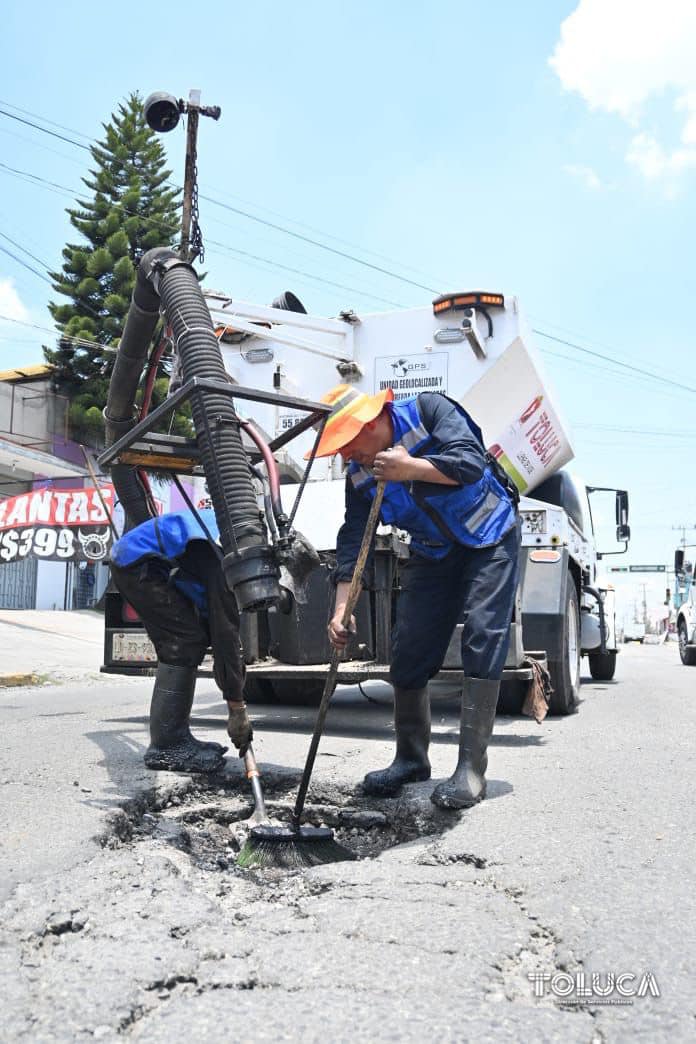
<point x="682" y="528"/>
<point x="162" y="112"/>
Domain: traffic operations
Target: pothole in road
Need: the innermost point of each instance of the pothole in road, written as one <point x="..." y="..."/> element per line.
<point x="209" y="821"/>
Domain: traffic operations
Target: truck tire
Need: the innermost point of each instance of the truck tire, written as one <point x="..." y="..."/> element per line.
<point x="688" y="656"/>
<point x="301" y="692"/>
<point x="602" y="665"/>
<point x="565" y="673"/>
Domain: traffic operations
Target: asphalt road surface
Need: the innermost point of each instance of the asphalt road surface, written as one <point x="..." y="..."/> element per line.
<point x="483" y="925"/>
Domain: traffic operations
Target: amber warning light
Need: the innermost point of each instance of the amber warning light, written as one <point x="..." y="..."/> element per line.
<point x="472" y="299"/>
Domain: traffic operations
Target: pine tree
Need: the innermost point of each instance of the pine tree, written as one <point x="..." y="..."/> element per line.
<point x="131" y="209"/>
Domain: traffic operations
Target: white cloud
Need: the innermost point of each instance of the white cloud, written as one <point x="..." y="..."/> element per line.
<point x="586" y="175"/>
<point x="618" y="54"/>
<point x="654" y="162"/>
<point x="10" y="303"/>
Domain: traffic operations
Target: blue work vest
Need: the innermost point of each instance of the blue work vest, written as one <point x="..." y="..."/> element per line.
<point x="478" y="514"/>
<point x="166" y="538"/>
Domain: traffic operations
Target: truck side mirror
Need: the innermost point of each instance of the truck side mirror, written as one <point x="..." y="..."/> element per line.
<point x="679" y="560"/>
<point x="623" y="530"/>
<point x="621" y="509"/>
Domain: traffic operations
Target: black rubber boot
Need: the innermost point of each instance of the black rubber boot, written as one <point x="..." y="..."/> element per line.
<point x="172" y="747"/>
<point x="468" y="784"/>
<point x="412" y="722"/>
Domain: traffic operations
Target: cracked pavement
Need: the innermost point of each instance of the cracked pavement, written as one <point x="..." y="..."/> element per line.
<point x="124" y="915"/>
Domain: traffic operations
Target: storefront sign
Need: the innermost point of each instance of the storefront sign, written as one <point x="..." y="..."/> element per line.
<point x="56" y="525"/>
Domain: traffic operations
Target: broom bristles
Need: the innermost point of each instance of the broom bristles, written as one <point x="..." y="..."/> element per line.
<point x="291" y="852"/>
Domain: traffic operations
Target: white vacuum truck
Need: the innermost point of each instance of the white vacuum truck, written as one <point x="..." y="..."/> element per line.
<point x="474" y="347"/>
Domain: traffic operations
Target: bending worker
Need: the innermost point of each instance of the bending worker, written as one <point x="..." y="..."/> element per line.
<point x="168" y="571"/>
<point x="459" y="508"/>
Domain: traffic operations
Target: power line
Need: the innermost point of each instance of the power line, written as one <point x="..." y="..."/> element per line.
<point x="248" y="215"/>
<point x="44" y="146"/>
<point x="615" y="362"/>
<point x="54" y="134"/>
<point x="233" y="250"/>
<point x="320" y="232"/>
<point x="219" y="203"/>
<point x="82" y="342"/>
<point x="316" y="243"/>
<point x="25" y="264"/>
<point x="637" y="431"/>
<point x="611" y="372"/>
<point x="35" y="177"/>
<point x="25" y="251"/>
<point x="275" y="264"/>
<point x="44" y="119"/>
<point x="297" y="271"/>
<point x="340" y="253"/>
<point x="50" y="281"/>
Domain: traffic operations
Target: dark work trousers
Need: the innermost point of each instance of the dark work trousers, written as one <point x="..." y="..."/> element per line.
<point x="179" y="631"/>
<point x="474" y="586"/>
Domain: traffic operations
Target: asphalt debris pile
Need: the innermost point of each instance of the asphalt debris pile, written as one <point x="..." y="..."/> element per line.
<point x="209" y="820"/>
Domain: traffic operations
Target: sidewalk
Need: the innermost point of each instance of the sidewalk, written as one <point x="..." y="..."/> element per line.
<point x="73" y="741"/>
<point x="49" y="646"/>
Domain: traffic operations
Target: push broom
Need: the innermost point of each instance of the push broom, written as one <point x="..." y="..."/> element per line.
<point x="298" y="846"/>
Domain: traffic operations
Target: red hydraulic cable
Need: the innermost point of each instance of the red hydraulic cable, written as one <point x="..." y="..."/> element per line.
<point x="271" y="466"/>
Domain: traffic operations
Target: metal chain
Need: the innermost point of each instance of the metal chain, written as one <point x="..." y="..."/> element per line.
<point x="196" y="247"/>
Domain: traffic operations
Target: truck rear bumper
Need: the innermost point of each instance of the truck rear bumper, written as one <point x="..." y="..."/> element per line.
<point x="352" y="672"/>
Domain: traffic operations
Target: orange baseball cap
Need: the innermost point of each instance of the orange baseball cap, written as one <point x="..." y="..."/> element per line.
<point x="352" y="410"/>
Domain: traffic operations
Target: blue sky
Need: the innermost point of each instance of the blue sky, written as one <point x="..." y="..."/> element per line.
<point x="544" y="149"/>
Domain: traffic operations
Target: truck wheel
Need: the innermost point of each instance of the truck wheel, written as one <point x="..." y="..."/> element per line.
<point x="565" y="673"/>
<point x="688" y="656"/>
<point x="304" y="692"/>
<point x="602" y="665"/>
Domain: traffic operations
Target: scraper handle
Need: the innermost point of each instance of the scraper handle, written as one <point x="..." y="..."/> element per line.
<point x="330" y="685"/>
<point x="254" y="777"/>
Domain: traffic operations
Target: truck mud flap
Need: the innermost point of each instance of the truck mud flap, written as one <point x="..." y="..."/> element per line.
<point x="544" y="587"/>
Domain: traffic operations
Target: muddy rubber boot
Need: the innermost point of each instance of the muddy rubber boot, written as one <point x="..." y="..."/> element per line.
<point x="172" y="747"/>
<point x="468" y="784"/>
<point x="411" y="765"/>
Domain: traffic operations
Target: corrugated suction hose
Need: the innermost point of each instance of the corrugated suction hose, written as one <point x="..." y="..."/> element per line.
<point x="249" y="564"/>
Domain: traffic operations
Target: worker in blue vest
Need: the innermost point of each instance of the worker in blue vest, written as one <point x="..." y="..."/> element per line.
<point x="168" y="571"/>
<point x="459" y="508"/>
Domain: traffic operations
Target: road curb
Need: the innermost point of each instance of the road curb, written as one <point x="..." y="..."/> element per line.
<point x="10" y="681"/>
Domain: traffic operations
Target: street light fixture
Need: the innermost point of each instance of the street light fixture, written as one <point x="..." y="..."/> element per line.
<point x="162" y="112"/>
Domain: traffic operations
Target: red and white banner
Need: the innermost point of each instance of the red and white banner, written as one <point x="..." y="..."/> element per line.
<point x="56" y="524"/>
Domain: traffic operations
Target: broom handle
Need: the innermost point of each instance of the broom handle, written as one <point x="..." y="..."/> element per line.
<point x="330" y="685"/>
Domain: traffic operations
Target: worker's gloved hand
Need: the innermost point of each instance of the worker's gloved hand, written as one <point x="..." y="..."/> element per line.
<point x="339" y="636"/>
<point x="238" y="726"/>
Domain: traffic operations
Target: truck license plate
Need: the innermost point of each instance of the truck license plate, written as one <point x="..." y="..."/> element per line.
<point x="133" y="647"/>
<point x="533" y="522"/>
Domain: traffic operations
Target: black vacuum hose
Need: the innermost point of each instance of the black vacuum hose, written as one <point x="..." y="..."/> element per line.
<point x="119" y="415"/>
<point x="249" y="564"/>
